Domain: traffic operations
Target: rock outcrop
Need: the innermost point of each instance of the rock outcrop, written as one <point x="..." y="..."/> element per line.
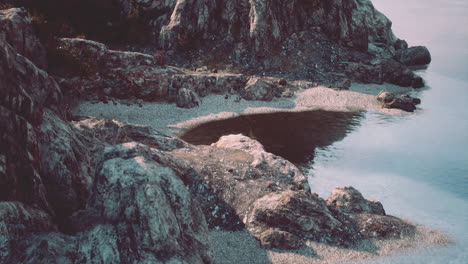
<point x="368" y="216"/>
<point x="418" y="55"/>
<point x="16" y="25"/>
<point x="264" y="24"/>
<point x="60" y="203"/>
<point x="403" y="102"/>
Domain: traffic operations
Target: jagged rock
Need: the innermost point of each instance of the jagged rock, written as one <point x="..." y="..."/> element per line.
<point x="300" y="213"/>
<point x="396" y="73"/>
<point x="350" y="200"/>
<point x="257" y="89"/>
<point x="25" y="91"/>
<point x="418" y="55"/>
<point x="233" y="173"/>
<point x="187" y="99"/>
<point x="18" y="220"/>
<point x="16" y="25"/>
<point x="400" y="44"/>
<point x="67" y="165"/>
<point x="152" y="214"/>
<point x="265" y="23"/>
<point x="403" y="102"/>
<point x="362" y="72"/>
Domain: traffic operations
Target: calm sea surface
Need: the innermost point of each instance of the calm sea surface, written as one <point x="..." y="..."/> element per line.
<point x="416" y="165"/>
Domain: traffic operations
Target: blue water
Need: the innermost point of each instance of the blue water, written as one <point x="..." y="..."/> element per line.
<point x="416" y="165"/>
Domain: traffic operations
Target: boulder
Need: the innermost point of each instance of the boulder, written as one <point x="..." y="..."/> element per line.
<point x="403" y="102"/>
<point x="383" y="227"/>
<point x="279" y="239"/>
<point x="16" y="25"/>
<point x="350" y="200"/>
<point x="229" y="176"/>
<point x="187" y="99"/>
<point x="300" y="213"/>
<point x="257" y="89"/>
<point x="418" y="55"/>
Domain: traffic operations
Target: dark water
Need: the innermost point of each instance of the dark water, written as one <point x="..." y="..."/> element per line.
<point x="294" y="136"/>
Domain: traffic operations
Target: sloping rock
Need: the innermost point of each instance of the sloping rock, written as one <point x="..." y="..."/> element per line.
<point x="114" y="132"/>
<point x="263" y="159"/>
<point x="25" y="91"/>
<point x="18" y="220"/>
<point x="229" y="176"/>
<point x="350" y="200"/>
<point x="67" y="165"/>
<point x="16" y="25"/>
<point x="144" y="212"/>
<point x="418" y="55"/>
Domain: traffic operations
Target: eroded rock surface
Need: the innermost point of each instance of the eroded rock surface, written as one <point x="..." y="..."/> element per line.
<point x="16" y="25"/>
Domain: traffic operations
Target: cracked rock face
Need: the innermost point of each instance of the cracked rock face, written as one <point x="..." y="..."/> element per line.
<point x="265" y="23"/>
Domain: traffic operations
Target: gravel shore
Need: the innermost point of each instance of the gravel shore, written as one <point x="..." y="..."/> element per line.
<point x="172" y="120"/>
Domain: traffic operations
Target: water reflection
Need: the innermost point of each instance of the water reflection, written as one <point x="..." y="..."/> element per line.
<point x="293" y="136"/>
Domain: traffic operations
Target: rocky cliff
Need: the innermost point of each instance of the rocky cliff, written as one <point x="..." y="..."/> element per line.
<point x="86" y="190"/>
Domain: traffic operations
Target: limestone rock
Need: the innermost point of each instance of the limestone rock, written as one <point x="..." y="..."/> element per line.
<point x="16" y="25"/>
<point x="257" y="89"/>
<point x="350" y="200"/>
<point x="418" y="55"/>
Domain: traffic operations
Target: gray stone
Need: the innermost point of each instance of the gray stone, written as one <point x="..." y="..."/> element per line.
<point x="418" y="55"/>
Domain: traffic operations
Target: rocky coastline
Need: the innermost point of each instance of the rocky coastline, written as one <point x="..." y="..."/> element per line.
<point x="84" y="189"/>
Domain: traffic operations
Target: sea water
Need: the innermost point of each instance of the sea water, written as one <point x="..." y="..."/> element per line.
<point x="416" y="165"/>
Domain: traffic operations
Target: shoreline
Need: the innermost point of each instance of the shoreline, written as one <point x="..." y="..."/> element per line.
<point x="244" y="249"/>
<point x="172" y="120"/>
